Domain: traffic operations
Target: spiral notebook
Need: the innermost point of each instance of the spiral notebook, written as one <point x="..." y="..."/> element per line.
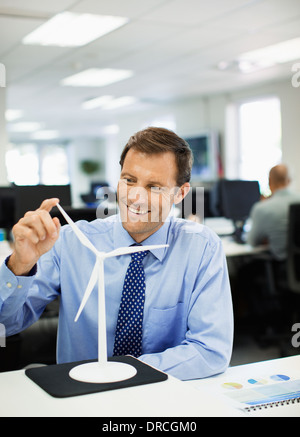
<point x="266" y="392"/>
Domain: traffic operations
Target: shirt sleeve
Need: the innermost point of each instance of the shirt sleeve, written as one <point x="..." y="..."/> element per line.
<point x="207" y="347"/>
<point x="24" y="298"/>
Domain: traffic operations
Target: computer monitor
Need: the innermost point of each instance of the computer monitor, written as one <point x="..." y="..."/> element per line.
<point x="97" y="191"/>
<point x="96" y="186"/>
<point x="7" y="207"/>
<point x="205" y="148"/>
<point x="29" y="197"/>
<point x="236" y="198"/>
<point x="88" y="214"/>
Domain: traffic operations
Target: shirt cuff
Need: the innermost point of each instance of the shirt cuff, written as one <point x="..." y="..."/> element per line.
<point x="32" y="271"/>
<point x="11" y="284"/>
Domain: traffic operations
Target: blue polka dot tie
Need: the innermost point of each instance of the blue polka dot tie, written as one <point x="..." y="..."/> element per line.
<point x="129" y="330"/>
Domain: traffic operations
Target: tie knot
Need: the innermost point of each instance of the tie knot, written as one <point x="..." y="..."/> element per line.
<point x="139" y="256"/>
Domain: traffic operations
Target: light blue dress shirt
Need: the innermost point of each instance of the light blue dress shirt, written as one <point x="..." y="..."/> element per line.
<point x="188" y="318"/>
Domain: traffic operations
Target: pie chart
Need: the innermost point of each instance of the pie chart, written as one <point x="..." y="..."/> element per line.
<point x="280" y="377"/>
<point x="232" y="385"/>
<point x="257" y="381"/>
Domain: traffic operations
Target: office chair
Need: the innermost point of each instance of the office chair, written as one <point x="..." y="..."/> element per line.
<point x="277" y="297"/>
<point x="293" y="261"/>
<point x="287" y="288"/>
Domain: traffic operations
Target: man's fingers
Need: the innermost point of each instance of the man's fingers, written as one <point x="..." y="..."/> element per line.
<point x="48" y="204"/>
<point x="49" y="223"/>
<point x="34" y="223"/>
<point x="41" y="223"/>
<point x="57" y="223"/>
<point x="26" y="233"/>
<point x="34" y="234"/>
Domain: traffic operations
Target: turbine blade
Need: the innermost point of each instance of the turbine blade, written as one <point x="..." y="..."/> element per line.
<point x="132" y="249"/>
<point x="84" y="240"/>
<point x="89" y="289"/>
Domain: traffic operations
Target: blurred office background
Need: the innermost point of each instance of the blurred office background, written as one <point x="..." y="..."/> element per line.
<point x="223" y="74"/>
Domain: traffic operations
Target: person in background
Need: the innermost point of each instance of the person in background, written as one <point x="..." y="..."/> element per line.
<point x="269" y="217"/>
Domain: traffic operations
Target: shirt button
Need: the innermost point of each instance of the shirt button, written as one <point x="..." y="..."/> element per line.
<point x="8" y="284"/>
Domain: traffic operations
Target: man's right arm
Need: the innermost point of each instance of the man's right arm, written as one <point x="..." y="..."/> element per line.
<point x="34" y="235"/>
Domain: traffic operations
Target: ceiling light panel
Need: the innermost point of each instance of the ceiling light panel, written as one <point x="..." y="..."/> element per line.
<point x="13" y="114"/>
<point x="265" y="57"/>
<point x="120" y="102"/>
<point x="24" y="127"/>
<point x="96" y="77"/>
<point x="275" y="54"/>
<point x="69" y="29"/>
<point x="96" y="102"/>
<point x="45" y="135"/>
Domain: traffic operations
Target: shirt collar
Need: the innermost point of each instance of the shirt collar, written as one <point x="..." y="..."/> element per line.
<point x="282" y="191"/>
<point x="123" y="239"/>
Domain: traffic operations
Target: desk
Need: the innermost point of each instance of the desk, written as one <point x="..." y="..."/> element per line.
<point x="171" y="398"/>
<point x="264" y="369"/>
<point x="231" y="248"/>
<point x="224" y="228"/>
<point x="220" y="225"/>
<point x="20" y="397"/>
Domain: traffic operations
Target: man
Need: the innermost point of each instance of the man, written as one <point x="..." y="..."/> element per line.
<point x="187" y="327"/>
<point x="270" y="217"/>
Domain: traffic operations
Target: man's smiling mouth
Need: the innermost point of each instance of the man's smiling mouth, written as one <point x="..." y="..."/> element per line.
<point x="137" y="211"/>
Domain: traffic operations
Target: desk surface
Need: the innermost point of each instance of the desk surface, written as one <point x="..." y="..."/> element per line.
<point x="20" y="397"/>
<point x="224" y="228"/>
<point x="231" y="248"/>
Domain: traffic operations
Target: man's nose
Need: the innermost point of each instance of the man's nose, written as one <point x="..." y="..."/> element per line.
<point x="138" y="195"/>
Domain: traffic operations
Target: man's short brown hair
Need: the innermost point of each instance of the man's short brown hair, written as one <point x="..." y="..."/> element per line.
<point x="153" y="140"/>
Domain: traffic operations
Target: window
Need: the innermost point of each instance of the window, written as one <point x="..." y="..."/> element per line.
<point x="259" y="127"/>
<point x="22" y="164"/>
<point x="54" y="166"/>
<point x="32" y="164"/>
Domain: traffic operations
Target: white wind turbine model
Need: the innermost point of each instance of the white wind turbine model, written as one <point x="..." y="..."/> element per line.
<point x="102" y="370"/>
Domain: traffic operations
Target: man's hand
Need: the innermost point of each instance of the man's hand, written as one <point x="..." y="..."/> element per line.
<point x="34" y="235"/>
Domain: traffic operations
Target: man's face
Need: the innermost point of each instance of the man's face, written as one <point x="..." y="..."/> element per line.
<point x="146" y="191"/>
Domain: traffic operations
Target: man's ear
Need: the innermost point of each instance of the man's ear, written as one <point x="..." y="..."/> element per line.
<point x="181" y="193"/>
